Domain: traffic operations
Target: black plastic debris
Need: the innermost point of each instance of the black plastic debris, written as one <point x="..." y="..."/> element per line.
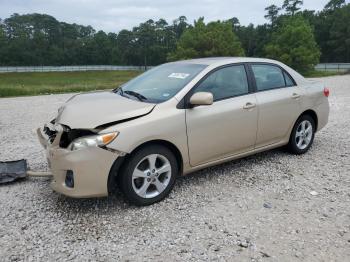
<point x="12" y="170"/>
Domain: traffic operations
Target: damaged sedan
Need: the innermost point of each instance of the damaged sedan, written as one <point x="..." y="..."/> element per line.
<point x="178" y="118"/>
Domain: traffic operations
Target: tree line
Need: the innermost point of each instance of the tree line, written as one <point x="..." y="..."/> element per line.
<point x="300" y="38"/>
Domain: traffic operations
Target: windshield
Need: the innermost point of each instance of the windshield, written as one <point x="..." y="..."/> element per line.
<point x="160" y="83"/>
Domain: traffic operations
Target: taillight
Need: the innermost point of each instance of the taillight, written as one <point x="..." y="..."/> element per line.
<point x="326" y="92"/>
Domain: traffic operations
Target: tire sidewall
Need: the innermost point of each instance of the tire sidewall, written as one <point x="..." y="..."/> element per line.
<point x="128" y="169"/>
<point x="292" y="143"/>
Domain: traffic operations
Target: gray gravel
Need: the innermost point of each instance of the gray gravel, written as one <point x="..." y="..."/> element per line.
<point x="258" y="208"/>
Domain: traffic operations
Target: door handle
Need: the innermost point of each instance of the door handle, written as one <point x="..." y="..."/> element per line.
<point x="295" y="96"/>
<point x="249" y="105"/>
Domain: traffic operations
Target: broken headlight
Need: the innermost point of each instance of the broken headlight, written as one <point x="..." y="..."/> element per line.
<point x="93" y="141"/>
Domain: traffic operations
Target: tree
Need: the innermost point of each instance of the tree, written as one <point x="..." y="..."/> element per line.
<point x="338" y="43"/>
<point x="235" y="22"/>
<point x="293" y="43"/>
<point x="148" y="43"/>
<point x="3" y="45"/>
<point x="272" y="13"/>
<point x="126" y="43"/>
<point x="98" y="49"/>
<point x="248" y="37"/>
<point x="39" y="39"/>
<point x="263" y="36"/>
<point x="334" y="4"/>
<point x="309" y="15"/>
<point x="253" y="39"/>
<point x="292" y="6"/>
<point x="332" y="32"/>
<point x="213" y="39"/>
<point x="179" y="25"/>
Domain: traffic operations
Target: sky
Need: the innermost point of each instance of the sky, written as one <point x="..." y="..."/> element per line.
<point x="115" y="15"/>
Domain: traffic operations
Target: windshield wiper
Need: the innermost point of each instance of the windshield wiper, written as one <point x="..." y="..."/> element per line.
<point x="118" y="90"/>
<point x="134" y="94"/>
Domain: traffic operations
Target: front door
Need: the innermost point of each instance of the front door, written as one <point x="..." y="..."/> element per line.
<point x="229" y="125"/>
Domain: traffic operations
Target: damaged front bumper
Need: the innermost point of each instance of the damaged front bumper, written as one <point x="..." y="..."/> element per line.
<point x="89" y="168"/>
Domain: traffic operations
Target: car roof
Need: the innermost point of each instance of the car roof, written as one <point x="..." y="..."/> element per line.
<point x="220" y="60"/>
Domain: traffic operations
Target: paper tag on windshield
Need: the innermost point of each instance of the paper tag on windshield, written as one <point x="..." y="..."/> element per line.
<point x="178" y="75"/>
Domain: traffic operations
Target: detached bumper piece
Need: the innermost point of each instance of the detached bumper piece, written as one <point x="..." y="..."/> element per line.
<point x="12" y="170"/>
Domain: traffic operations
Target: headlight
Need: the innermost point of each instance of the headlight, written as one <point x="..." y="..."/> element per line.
<point x="89" y="141"/>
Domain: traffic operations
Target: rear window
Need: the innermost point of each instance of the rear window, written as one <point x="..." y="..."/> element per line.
<point x="268" y="77"/>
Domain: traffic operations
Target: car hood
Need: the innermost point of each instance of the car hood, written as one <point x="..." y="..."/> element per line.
<point x="91" y="110"/>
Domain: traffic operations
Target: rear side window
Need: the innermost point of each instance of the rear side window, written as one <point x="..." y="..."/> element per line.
<point x="225" y="82"/>
<point x="268" y="77"/>
<point x="289" y="81"/>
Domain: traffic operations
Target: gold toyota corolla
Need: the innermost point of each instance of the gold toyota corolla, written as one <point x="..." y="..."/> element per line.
<point x="177" y="118"/>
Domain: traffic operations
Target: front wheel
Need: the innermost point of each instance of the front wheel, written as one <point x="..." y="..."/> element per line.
<point x="149" y="175"/>
<point x="302" y="135"/>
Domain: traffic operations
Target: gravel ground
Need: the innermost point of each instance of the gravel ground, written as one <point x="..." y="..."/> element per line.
<point x="255" y="209"/>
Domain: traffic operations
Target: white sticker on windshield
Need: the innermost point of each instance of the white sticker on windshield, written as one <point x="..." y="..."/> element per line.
<point x="178" y="75"/>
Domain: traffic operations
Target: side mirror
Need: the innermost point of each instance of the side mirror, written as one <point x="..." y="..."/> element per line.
<point x="202" y="99"/>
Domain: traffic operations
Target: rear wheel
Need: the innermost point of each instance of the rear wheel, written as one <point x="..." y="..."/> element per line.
<point x="149" y="175"/>
<point x="302" y="135"/>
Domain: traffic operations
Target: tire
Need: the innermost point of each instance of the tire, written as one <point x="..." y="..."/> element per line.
<point x="302" y="135"/>
<point x="148" y="175"/>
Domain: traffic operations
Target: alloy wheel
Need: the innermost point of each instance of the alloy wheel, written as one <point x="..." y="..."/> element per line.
<point x="151" y="176"/>
<point x="303" y="134"/>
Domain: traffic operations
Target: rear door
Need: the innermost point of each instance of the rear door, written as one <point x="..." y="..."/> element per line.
<point x="278" y="100"/>
<point x="229" y="125"/>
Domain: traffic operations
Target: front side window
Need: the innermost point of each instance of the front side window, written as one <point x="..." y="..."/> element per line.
<point x="268" y="77"/>
<point x="160" y="83"/>
<point x="226" y="82"/>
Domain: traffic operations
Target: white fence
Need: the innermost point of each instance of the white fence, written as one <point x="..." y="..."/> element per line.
<point x="334" y="67"/>
<point x="10" y="69"/>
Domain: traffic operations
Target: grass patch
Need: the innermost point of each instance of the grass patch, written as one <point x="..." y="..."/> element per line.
<point x="316" y="73"/>
<point x="27" y="84"/>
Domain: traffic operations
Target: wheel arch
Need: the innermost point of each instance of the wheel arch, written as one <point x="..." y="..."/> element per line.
<point x="119" y="162"/>
<point x="313" y="114"/>
<point x="309" y="112"/>
<point x="173" y="148"/>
